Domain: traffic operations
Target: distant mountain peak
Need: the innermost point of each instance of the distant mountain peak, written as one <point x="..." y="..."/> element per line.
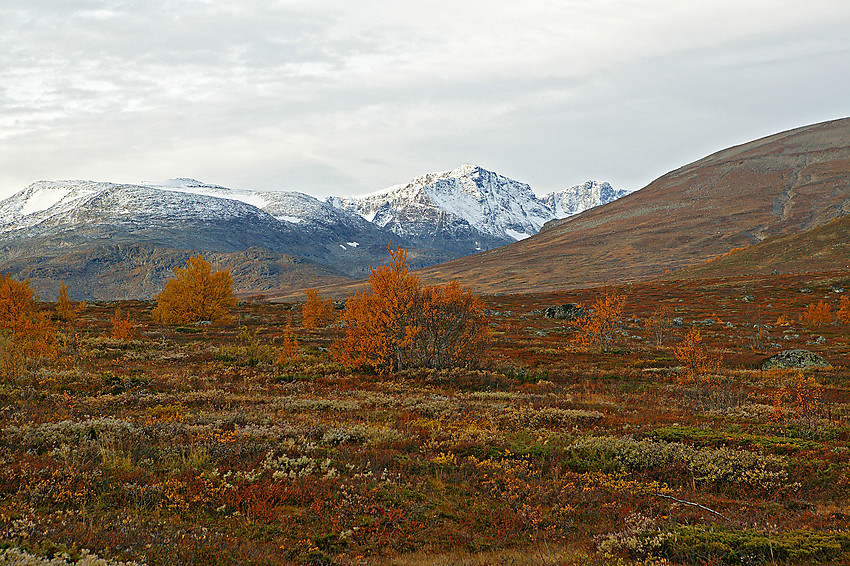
<point x="475" y="207"/>
<point x="469" y="208"/>
<point x="579" y="198"/>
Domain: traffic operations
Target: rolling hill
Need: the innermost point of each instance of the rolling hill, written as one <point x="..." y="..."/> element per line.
<point x="782" y="184"/>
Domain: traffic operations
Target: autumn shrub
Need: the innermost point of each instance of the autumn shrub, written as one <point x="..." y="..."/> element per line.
<point x="288" y="350"/>
<point x="195" y="294"/>
<point x="843" y="313"/>
<point x="17" y="302"/>
<point x="397" y="323"/>
<point x="317" y="312"/>
<point x="599" y="329"/>
<point x="122" y="328"/>
<point x="693" y="355"/>
<point x="66" y="309"/>
<point x="658" y="323"/>
<point x="817" y="314"/>
<point x="248" y="350"/>
<point x="27" y="337"/>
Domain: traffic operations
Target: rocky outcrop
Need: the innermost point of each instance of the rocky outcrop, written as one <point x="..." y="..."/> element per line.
<point x="795" y="359"/>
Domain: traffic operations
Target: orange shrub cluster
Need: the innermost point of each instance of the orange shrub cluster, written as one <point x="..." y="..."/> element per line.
<point x="17" y="302"/>
<point x="398" y="323"/>
<point x="317" y="312"/>
<point x="817" y="314"/>
<point x="289" y="348"/>
<point x="195" y="294"/>
<point x="727" y="254"/>
<point x="122" y="328"/>
<point x="66" y="309"/>
<point x="599" y="329"/>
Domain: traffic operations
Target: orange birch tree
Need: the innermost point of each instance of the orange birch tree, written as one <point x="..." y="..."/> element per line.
<point x="397" y="323"/>
<point x="195" y="294"/>
<point x="66" y="309"/>
<point x="599" y="328"/>
<point x="316" y="312"/>
<point x="843" y="314"/>
<point x="29" y="336"/>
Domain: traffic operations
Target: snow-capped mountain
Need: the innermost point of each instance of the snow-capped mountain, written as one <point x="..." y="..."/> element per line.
<point x="71" y="204"/>
<point x="471" y="208"/>
<point x="581" y="197"/>
<point x="436" y="217"/>
<point x="462" y="201"/>
<point x="51" y="218"/>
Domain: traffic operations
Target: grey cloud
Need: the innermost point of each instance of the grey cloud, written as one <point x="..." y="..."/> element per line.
<point x="345" y="97"/>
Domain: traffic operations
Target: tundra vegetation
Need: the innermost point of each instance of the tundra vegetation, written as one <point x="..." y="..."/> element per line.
<point x="650" y="437"/>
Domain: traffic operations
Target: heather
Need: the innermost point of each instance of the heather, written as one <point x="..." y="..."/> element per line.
<point x="654" y="438"/>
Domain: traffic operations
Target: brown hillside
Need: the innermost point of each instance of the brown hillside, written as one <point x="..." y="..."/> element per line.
<point x="782" y="184"/>
<point x="821" y="249"/>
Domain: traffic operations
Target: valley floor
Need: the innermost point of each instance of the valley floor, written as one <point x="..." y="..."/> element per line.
<point x="202" y="445"/>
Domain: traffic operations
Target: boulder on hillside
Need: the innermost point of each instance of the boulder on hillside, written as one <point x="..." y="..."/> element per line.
<point x="568" y="311"/>
<point x="795" y="359"/>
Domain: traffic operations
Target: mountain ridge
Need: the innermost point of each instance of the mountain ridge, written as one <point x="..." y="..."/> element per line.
<point x="52" y="220"/>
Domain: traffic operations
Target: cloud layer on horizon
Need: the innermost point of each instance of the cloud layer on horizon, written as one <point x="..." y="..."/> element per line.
<point x="329" y="97"/>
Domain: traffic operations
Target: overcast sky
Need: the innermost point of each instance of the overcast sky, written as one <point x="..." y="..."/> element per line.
<point x="343" y="97"/>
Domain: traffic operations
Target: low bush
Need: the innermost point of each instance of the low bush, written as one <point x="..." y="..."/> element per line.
<point x="712" y="545"/>
<point x="710" y="465"/>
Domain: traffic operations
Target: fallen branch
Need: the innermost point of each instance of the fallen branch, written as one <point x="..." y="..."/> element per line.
<point x="677" y="500"/>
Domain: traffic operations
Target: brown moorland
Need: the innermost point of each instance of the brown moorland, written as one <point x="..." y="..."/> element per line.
<point x="204" y="445"/>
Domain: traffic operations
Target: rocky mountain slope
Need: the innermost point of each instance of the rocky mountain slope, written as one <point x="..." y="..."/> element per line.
<point x="782" y="184"/>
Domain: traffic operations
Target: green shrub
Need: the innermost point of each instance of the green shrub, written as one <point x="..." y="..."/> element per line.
<point x="698" y="544"/>
<point x="712" y="465"/>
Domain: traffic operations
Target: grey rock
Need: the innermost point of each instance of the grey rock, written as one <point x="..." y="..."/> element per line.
<point x="567" y="311"/>
<point x="794" y="359"/>
<point x="678" y="322"/>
